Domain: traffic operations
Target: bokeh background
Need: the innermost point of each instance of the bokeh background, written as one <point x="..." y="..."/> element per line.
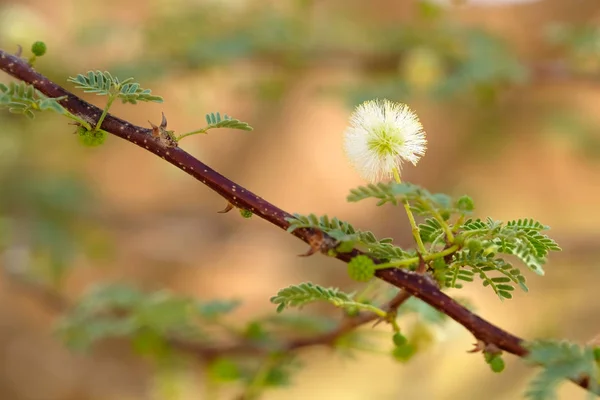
<point x="509" y="94"/>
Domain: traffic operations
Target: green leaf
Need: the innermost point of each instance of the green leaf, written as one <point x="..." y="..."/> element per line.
<point x="561" y="361"/>
<point x="521" y="238"/>
<point x="216" y="308"/>
<point x="305" y="293"/>
<point x="215" y="121"/>
<point x="103" y="83"/>
<point x="22" y="98"/>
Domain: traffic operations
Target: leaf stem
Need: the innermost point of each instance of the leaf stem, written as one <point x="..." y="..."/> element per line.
<point x="203" y="130"/>
<point x="411" y="218"/>
<point x="111" y="99"/>
<point x="367" y="307"/>
<point x="413" y="260"/>
<point x="438" y="217"/>
<point x="80" y="121"/>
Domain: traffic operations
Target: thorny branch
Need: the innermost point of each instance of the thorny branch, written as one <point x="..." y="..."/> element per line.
<point x="420" y="286"/>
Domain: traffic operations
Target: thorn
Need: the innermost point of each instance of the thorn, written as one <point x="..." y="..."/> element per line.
<point x="315" y="241"/>
<point x="155" y="130"/>
<point x="163" y="123"/>
<point x="479" y="346"/>
<point x="377" y="322"/>
<point x="19" y="50"/>
<point x="227" y="208"/>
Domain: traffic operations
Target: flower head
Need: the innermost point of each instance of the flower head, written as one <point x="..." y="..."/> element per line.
<point x="382" y="134"/>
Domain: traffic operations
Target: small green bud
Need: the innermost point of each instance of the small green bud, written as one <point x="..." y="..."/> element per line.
<point x="361" y="268"/>
<point x="445" y="215"/>
<point x="474" y="245"/>
<point x="404" y="353"/>
<point x="38" y="49"/>
<point x="245" y="213"/>
<point x="399" y="339"/>
<point x="91" y="138"/>
<point x="465" y="204"/>
<point x="497" y="364"/>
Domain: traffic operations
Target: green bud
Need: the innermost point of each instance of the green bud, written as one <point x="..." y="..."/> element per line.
<point x="91" y="138"/>
<point x="474" y="245"/>
<point x="399" y="339"/>
<point x="597" y="354"/>
<point x="497" y="364"/>
<point x="465" y="204"/>
<point x="38" y="49"/>
<point x="245" y="213"/>
<point x="361" y="268"/>
<point x="445" y="215"/>
<point x="404" y="353"/>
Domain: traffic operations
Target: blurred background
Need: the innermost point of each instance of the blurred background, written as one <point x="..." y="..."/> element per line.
<point x="508" y="92"/>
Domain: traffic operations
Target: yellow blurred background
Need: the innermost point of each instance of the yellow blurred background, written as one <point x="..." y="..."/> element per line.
<point x="509" y="95"/>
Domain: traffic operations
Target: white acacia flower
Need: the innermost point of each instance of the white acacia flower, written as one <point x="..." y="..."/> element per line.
<point x="382" y="134"/>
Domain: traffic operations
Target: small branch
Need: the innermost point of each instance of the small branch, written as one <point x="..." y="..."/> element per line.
<point x="57" y="303"/>
<point x="420" y="286"/>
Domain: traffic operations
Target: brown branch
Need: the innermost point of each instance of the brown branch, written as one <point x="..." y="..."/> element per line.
<point x="55" y="302"/>
<point x="420" y="286"/>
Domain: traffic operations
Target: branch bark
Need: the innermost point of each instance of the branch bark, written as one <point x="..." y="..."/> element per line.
<point x="420" y="286"/>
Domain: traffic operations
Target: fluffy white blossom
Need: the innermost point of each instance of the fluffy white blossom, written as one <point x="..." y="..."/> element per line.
<point x="382" y="134"/>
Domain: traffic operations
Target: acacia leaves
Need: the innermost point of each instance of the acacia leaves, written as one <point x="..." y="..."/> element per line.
<point x="116" y="311"/>
<point x="561" y="361"/>
<point x="459" y="250"/>
<point x="104" y="84"/>
<point x="307" y="292"/>
<point x="21" y="98"/>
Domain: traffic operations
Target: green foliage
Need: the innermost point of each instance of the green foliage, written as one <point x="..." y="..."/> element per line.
<point x="103" y="83"/>
<point x="149" y="318"/>
<point x="467" y="264"/>
<point x="306" y="293"/>
<point x="521" y="238"/>
<point x="560" y="361"/>
<point x="21" y="98"/>
<point x="38" y="48"/>
<point x="422" y="202"/>
<point x="215" y="121"/>
<point x="340" y="230"/>
<point x="215" y="309"/>
<point x="349" y="236"/>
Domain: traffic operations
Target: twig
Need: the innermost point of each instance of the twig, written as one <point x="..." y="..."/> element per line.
<point x="57" y="303"/>
<point x="415" y="284"/>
